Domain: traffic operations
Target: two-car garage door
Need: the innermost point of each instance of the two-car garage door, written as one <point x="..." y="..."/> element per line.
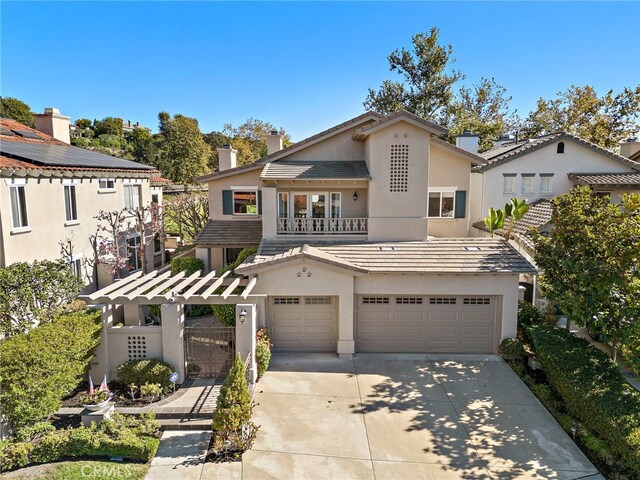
<point x="460" y="324"/>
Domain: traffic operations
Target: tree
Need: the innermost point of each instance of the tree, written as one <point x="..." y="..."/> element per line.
<point x="591" y="263"/>
<point x="427" y="89"/>
<point x="17" y="110"/>
<point x="34" y="293"/>
<point x="147" y="223"/>
<point x="83" y="123"/>
<point x="189" y="212"/>
<point x="143" y="145"/>
<point x="108" y="126"/>
<point x="108" y="240"/>
<point x="233" y="409"/>
<point x="183" y="152"/>
<point x="605" y="121"/>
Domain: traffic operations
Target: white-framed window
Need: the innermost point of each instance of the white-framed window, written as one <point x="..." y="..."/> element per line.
<point x="527" y="183"/>
<point x="133" y="251"/>
<point x="132" y="197"/>
<point x="245" y="202"/>
<point x="336" y="205"/>
<point x="442" y="204"/>
<point x="70" y="203"/>
<point x="508" y="183"/>
<point x="283" y="204"/>
<point x="310" y="205"/>
<point x="19" y="217"/>
<point x="75" y="263"/>
<point x="545" y="183"/>
<point x="106" y="185"/>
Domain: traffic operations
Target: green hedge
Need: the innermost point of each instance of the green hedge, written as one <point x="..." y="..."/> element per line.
<point x="39" y="368"/>
<point x="593" y="390"/>
<point x="190" y="264"/>
<point x="138" y="372"/>
<point x="227" y="313"/>
<point x="121" y="436"/>
<point x="528" y="314"/>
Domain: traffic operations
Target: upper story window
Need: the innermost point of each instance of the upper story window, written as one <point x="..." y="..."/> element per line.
<point x="441" y="204"/>
<point x="132" y="197"/>
<point x="545" y="183"/>
<point x="399" y="168"/>
<point x="560" y="147"/>
<point x="18" y="196"/>
<point x="245" y="202"/>
<point x="509" y="183"/>
<point x="106" y="185"/>
<point x="310" y="205"/>
<point x="70" y="203"/>
<point x="527" y="183"/>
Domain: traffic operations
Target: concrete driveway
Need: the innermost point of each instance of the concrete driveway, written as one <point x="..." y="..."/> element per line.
<point x="404" y="417"/>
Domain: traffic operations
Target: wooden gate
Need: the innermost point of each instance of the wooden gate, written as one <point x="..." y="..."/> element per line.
<point x="209" y="349"/>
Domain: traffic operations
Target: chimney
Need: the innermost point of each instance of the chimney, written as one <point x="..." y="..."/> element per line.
<point x="629" y="147"/>
<point x="54" y="124"/>
<point x="226" y="157"/>
<point x="467" y="141"/>
<point x="274" y="142"/>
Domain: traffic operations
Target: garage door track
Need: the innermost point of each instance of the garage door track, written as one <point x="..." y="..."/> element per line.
<point x="382" y="416"/>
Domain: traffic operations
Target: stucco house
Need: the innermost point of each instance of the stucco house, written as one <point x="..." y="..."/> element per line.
<point x="362" y="237"/>
<point x="51" y="192"/>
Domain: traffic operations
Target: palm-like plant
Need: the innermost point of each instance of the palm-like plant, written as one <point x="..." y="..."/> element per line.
<point x="495" y="220"/>
<point x="514" y="211"/>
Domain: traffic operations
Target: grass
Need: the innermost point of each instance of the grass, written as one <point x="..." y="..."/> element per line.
<point x="81" y="470"/>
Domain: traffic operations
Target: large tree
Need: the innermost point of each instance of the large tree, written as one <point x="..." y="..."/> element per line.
<point x="16" y="110"/>
<point x="187" y="213"/>
<point x="427" y="86"/>
<point x="183" y="153"/>
<point x="143" y="146"/>
<point x="591" y="262"/>
<point x="108" y="126"/>
<point x="604" y="120"/>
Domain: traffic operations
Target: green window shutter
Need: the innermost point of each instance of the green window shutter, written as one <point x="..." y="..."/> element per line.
<point x="259" y="202"/>
<point x="227" y="202"/>
<point x="461" y="203"/>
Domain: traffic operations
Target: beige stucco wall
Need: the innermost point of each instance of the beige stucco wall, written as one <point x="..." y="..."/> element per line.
<point x="338" y="147"/>
<point x="217" y="185"/>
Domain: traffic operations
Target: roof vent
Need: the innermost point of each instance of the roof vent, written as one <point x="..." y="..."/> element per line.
<point x="472" y="249"/>
<point x="387" y="249"/>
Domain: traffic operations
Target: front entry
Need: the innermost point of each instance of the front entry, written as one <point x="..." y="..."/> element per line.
<point x="209" y="347"/>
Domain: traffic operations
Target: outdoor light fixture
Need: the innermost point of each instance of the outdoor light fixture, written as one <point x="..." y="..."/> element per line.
<point x="355" y="196"/>
<point x="243" y="316"/>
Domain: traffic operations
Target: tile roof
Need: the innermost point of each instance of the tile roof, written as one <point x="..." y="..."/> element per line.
<point x="629" y="179"/>
<point x="442" y="255"/>
<point x="160" y="181"/>
<point x="309" y="170"/>
<point x="9" y="124"/>
<point x="636" y="156"/>
<point x="514" y="150"/>
<point x="230" y="233"/>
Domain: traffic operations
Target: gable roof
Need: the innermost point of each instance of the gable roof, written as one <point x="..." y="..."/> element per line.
<point x="400" y="115"/>
<point x="328" y="133"/>
<point x="629" y="179"/>
<point x="508" y="152"/>
<point x="460" y="152"/>
<point x="319" y="170"/>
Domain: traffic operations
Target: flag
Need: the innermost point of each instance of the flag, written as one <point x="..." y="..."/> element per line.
<point x="90" y="385"/>
<point x="103" y="385"/>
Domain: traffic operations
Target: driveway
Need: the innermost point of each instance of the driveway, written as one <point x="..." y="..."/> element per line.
<point x="404" y="417"/>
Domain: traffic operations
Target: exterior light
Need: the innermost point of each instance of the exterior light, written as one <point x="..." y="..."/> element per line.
<point x="355" y="196"/>
<point x="243" y="316"/>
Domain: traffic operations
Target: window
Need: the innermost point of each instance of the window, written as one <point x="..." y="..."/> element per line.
<point x="286" y="301"/>
<point x="527" y="183"/>
<point x="231" y="255"/>
<point x="245" y="202"/>
<point x="408" y="300"/>
<point x="283" y="204"/>
<point x="17" y="193"/>
<point x="76" y="267"/>
<point x="317" y="300"/>
<point x="154" y="198"/>
<point x="509" y="183"/>
<point x="375" y="300"/>
<point x="399" y="168"/>
<point x="477" y="301"/>
<point x="336" y="205"/>
<point x="106" y="184"/>
<point x="319" y="205"/>
<point x="157" y="244"/>
<point x="442" y="301"/>
<point x="133" y="248"/>
<point x="132" y="197"/>
<point x="560" y="148"/>
<point x="545" y="183"/>
<point x="70" y="204"/>
<point x="310" y="205"/>
<point x="441" y="204"/>
<point x="602" y="194"/>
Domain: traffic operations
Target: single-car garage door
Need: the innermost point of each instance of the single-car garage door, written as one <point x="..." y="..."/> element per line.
<point x="303" y="324"/>
<point x="420" y="324"/>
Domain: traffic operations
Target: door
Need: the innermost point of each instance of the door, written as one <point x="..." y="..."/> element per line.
<point x="303" y="324"/>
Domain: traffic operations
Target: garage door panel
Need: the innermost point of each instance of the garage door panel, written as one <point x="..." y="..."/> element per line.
<point x="303" y="326"/>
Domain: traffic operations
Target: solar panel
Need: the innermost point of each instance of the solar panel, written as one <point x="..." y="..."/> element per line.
<point x="67" y="156"/>
<point x="27" y="134"/>
<point x="5" y="131"/>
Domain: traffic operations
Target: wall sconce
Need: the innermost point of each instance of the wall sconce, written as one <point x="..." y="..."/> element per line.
<point x="243" y="316"/>
<point x="355" y="196"/>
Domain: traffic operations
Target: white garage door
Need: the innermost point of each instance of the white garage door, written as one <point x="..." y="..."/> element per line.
<point x="420" y="324"/>
<point x="303" y="324"/>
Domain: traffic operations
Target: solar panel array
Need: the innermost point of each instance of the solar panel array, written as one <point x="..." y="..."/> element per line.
<point x="66" y="156"/>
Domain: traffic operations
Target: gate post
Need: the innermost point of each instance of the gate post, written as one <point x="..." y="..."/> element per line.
<point x="173" y="337"/>
<point x="246" y="336"/>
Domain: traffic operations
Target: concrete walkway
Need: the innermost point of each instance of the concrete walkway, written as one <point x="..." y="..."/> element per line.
<point x="180" y="456"/>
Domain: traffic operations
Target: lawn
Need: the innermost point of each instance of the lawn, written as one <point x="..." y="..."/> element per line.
<point x="81" y="470"/>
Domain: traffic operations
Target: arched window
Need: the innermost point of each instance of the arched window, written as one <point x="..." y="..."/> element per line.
<point x="560" y="147"/>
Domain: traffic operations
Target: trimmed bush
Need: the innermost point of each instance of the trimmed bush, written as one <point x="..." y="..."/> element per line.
<point x="528" y="314"/>
<point x="190" y="264"/>
<point x="234" y="404"/>
<point x="512" y="349"/>
<point x="136" y="373"/>
<point x="263" y="350"/>
<point x="227" y="313"/>
<point x="39" y="368"/>
<point x="593" y="390"/>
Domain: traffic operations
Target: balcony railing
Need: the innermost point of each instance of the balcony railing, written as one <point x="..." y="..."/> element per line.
<point x="322" y="226"/>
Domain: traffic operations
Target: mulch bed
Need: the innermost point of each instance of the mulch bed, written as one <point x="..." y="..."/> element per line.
<point x="121" y="396"/>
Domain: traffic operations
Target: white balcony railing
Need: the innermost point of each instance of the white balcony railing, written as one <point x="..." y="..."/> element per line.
<point x="322" y="226"/>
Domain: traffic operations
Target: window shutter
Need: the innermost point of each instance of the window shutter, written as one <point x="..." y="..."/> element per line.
<point x="259" y="202"/>
<point x="461" y="203"/>
<point x="227" y="202"/>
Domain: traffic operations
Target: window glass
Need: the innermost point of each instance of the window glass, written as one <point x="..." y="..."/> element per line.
<point x="245" y="202"/>
<point x="545" y="184"/>
<point x="283" y="204"/>
<point x="133" y="247"/>
<point x="447" y="205"/>
<point x="434" y="204"/>
<point x="560" y="147"/>
<point x="18" y="206"/>
<point x="527" y="184"/>
<point x="508" y="185"/>
<point x="336" y="205"/>
<point x="300" y="205"/>
<point x="106" y="183"/>
<point x="318" y="205"/>
<point x="231" y="255"/>
<point x="76" y="268"/>
<point x="70" y="206"/>
<point x="132" y="197"/>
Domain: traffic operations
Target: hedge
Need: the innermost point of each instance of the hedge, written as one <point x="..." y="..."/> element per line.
<point x="190" y="264"/>
<point x="138" y="372"/>
<point x="39" y="368"/>
<point x="592" y="388"/>
<point x="121" y="436"/>
<point x="227" y="313"/>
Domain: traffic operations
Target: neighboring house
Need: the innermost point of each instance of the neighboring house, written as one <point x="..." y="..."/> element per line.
<point x="52" y="191"/>
<point x="360" y="235"/>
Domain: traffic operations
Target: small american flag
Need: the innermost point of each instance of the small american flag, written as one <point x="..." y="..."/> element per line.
<point x="90" y="386"/>
<point x="103" y="386"/>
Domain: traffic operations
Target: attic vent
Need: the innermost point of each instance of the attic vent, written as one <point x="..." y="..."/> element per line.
<point x="399" y="168"/>
<point x="387" y="249"/>
<point x="472" y="249"/>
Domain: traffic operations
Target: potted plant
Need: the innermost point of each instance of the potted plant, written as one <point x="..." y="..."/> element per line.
<point x="95" y="400"/>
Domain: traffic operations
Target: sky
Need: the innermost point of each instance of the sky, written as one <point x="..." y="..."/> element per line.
<point x="302" y="66"/>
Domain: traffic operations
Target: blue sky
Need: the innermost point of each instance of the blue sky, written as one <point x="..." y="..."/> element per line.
<point x="302" y="66"/>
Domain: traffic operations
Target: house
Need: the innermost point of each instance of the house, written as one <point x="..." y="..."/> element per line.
<point x="52" y="191"/>
<point x="362" y="237"/>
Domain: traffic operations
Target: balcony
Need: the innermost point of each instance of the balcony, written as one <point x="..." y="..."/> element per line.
<point x="322" y="226"/>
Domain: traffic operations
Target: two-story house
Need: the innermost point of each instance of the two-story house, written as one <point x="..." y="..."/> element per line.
<point x="51" y="192"/>
<point x="360" y="232"/>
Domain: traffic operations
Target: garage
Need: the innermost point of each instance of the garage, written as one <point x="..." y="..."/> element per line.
<point x="426" y="324"/>
<point x="303" y="324"/>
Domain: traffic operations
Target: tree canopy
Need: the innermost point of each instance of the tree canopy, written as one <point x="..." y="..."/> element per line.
<point x="15" y="109"/>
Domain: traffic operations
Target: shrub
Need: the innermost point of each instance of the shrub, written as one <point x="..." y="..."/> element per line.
<point x="190" y="264"/>
<point x="263" y="350"/>
<point x="528" y="314"/>
<point x="195" y="311"/>
<point x="135" y="373"/>
<point x="227" y="313"/>
<point x="234" y="404"/>
<point x="33" y="432"/>
<point x="39" y="368"/>
<point x="151" y="391"/>
<point x="593" y="390"/>
<point x="512" y="349"/>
